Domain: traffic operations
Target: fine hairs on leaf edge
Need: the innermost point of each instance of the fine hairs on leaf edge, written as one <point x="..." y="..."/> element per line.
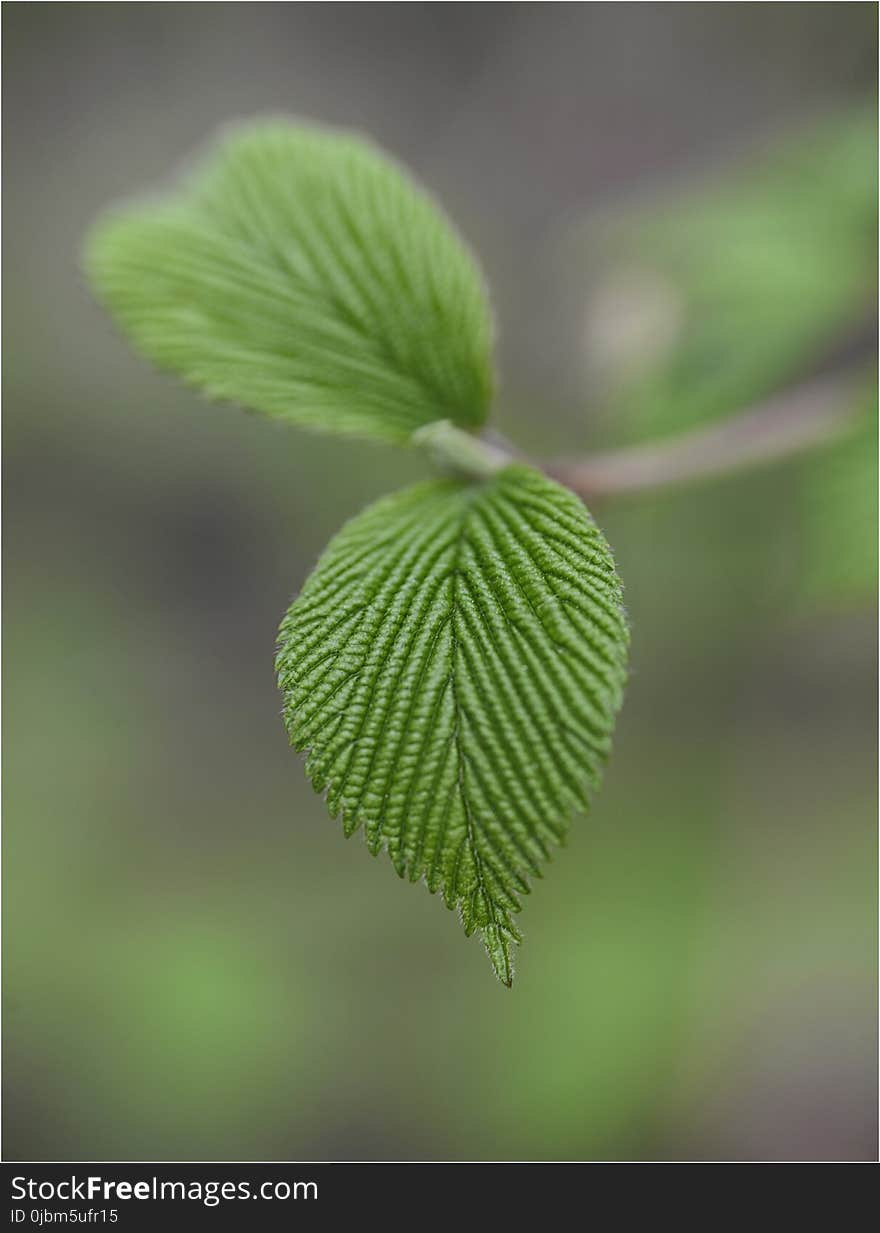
<point x="505" y="939"/>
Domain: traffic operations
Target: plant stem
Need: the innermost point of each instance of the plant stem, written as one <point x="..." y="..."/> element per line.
<point x="793" y="421"/>
<point x="459" y="452"/>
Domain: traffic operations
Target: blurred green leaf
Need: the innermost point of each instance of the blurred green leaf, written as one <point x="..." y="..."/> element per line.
<point x="453" y="668"/>
<point x="300" y="273"/>
<point x="706" y="302"/>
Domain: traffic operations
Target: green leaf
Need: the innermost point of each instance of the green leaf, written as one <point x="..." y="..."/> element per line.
<point x="453" y="668"/>
<point x="300" y="273"/>
<point x="707" y="301"/>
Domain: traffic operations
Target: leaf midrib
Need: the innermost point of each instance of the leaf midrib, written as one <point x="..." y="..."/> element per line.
<point x="460" y="540"/>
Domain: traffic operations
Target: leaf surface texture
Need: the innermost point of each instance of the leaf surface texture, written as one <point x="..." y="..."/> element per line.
<point x="302" y="274"/>
<point x="453" y="668"/>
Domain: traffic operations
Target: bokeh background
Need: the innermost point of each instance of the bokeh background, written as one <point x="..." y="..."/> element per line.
<point x="675" y="206"/>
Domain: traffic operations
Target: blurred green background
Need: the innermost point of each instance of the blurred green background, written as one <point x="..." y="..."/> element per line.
<point x="675" y="206"/>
